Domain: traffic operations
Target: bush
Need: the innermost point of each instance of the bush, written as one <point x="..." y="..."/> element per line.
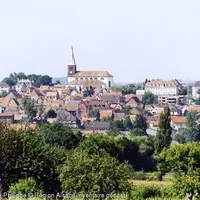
<point x="154" y="176"/>
<point x="25" y="186"/>
<point x="151" y="189"/>
<point x="139" y="175"/>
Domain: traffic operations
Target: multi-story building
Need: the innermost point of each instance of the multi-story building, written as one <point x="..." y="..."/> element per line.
<point x="163" y="88"/>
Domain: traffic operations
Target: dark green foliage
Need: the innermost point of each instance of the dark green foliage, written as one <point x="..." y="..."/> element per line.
<point x="128" y="89"/>
<point x="57" y="134"/>
<point x="88" y="92"/>
<point x="140" y="123"/>
<point x="128" y="123"/>
<point x="138" y="151"/>
<point x="183" y="91"/>
<point x="149" y="98"/>
<point x="163" y="136"/>
<point x="38" y="80"/>
<point x="94" y="113"/>
<point x="115" y="127"/>
<point x="25" y="154"/>
<point x="126" y="109"/>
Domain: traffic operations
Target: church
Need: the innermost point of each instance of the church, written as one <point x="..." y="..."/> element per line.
<point x="84" y="79"/>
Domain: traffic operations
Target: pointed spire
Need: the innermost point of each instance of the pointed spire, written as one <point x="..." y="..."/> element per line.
<point x="72" y="61"/>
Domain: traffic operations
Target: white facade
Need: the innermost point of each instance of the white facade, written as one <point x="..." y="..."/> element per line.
<point x="163" y="88"/>
<point x="195" y="94"/>
<point x="107" y="80"/>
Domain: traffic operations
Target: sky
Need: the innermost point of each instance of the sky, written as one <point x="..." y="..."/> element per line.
<point x="131" y="39"/>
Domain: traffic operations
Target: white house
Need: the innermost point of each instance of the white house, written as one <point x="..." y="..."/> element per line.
<point x="79" y="77"/>
<point x="161" y="87"/>
<point x="195" y="90"/>
<point x="22" y="85"/>
<point x="4" y="87"/>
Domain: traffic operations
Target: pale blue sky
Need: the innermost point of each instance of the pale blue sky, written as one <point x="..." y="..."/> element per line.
<point x="133" y="40"/>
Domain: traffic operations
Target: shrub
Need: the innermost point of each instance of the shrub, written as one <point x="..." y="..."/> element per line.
<point x="24" y="187"/>
<point x="139" y="175"/>
<point x="154" y="176"/>
<point x="151" y="189"/>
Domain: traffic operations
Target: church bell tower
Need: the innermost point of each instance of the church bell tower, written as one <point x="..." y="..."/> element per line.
<point x="72" y="64"/>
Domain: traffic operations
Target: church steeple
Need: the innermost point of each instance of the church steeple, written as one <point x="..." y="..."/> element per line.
<point x="72" y="64"/>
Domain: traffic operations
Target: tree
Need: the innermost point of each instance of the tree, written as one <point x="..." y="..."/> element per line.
<point x="163" y="135"/>
<point x="30" y="108"/>
<point x="88" y="92"/>
<point x="25" y="187"/>
<point x="3" y="94"/>
<point x="10" y="151"/>
<point x="197" y="101"/>
<point x="57" y="134"/>
<point x="149" y="98"/>
<point x="128" y="123"/>
<point x="100" y="144"/>
<point x="140" y="123"/>
<point x="94" y="113"/>
<point x="115" y="127"/>
<point x="183" y="91"/>
<point x="21" y="75"/>
<point x="128" y="89"/>
<point x="126" y="109"/>
<point x="51" y="114"/>
<point x="191" y="131"/>
<point x="10" y="81"/>
<point x="94" y="174"/>
<point x="184" y="161"/>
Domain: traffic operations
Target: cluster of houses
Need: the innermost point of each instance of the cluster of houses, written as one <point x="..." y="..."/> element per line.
<point x="73" y="108"/>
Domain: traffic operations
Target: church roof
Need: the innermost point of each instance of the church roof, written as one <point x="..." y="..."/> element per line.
<point x="93" y="74"/>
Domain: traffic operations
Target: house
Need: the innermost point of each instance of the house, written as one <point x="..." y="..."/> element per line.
<point x="177" y="122"/>
<point x="22" y="85"/>
<point x="77" y="78"/>
<point x="161" y="87"/>
<point x="118" y="115"/>
<point x="175" y="112"/>
<point x="67" y="118"/>
<point x="4" y="87"/>
<point x="72" y="107"/>
<point x="7" y="117"/>
<point x="133" y="102"/>
<point x="106" y="114"/>
<point x="194" y="108"/>
<point x="95" y="104"/>
<point x="196" y="90"/>
<point x="51" y="95"/>
<point x="112" y="97"/>
<point x="97" y="126"/>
